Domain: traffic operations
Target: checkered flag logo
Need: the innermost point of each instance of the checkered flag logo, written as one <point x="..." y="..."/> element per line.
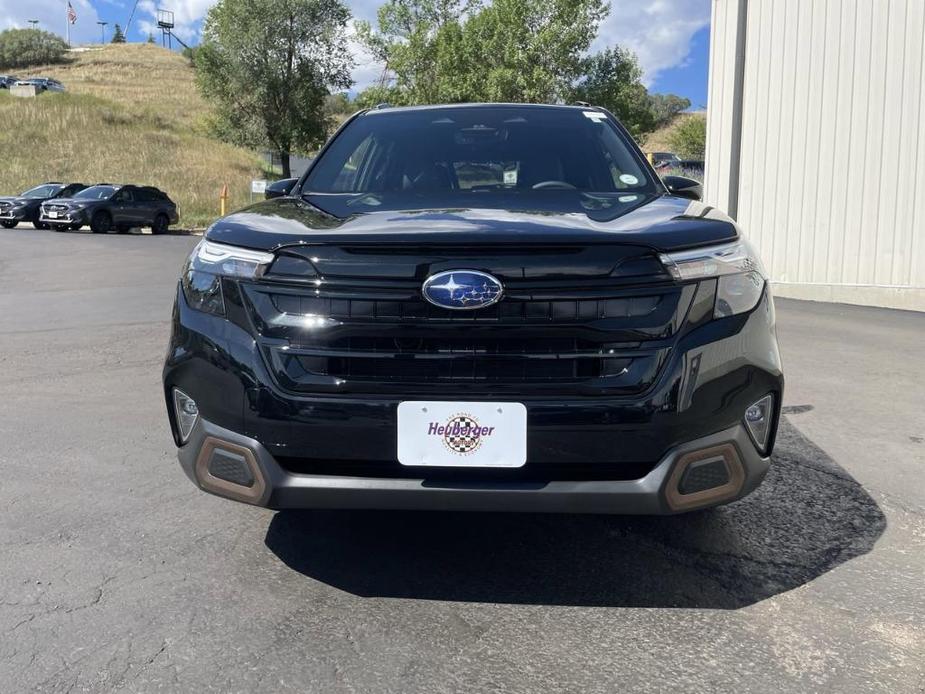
<point x="461" y="434"/>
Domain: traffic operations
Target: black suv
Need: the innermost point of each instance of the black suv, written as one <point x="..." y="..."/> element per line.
<point x="107" y="207"/>
<point x="26" y="206"/>
<point x="476" y="307"/>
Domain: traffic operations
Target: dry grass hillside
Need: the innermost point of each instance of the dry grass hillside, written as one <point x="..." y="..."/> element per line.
<point x="131" y="114"/>
<point x="660" y="140"/>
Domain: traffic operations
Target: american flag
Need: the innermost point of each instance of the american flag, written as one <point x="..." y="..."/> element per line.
<point x="71" y="14"/>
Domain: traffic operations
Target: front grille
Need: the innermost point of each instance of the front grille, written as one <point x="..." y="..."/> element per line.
<point x="463" y="360"/>
<point x="550" y="334"/>
<point x="52" y="207"/>
<point x="537" y="473"/>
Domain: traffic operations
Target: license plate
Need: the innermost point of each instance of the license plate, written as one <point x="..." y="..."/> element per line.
<point x="462" y="434"/>
<point x="52" y="215"/>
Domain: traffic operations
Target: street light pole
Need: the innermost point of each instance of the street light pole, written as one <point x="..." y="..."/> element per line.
<point x="102" y="31"/>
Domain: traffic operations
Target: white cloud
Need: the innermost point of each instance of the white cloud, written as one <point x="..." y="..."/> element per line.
<point x="659" y="32"/>
<point x="52" y="17"/>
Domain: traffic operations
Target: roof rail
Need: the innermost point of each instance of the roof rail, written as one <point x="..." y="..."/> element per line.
<point x="583" y="104"/>
<point x="379" y="107"/>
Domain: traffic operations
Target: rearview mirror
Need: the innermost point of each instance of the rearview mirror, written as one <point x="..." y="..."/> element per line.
<point x="683" y="187"/>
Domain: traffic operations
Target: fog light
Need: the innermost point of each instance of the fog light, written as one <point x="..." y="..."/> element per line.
<point x="187" y="413"/>
<point x="758" y="421"/>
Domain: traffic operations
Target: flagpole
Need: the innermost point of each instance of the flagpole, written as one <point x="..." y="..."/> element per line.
<point x="67" y="23"/>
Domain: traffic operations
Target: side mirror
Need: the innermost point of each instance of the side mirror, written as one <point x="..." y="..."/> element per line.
<point x="683" y="187"/>
<point x="280" y="188"/>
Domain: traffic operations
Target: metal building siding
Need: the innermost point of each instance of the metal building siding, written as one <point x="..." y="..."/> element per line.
<point x="831" y="175"/>
<point x="719" y="100"/>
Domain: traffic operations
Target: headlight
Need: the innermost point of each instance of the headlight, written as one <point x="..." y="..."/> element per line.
<point x="208" y="263"/>
<point x="740" y="276"/>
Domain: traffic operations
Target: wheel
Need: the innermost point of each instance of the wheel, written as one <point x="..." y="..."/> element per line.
<point x="101" y="222"/>
<point x="59" y="227"/>
<point x="36" y="223"/>
<point x="161" y="224"/>
<point x="75" y="227"/>
<point x="9" y="223"/>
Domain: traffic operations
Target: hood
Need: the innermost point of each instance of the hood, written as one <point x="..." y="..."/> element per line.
<point x="663" y="223"/>
<point x="69" y="201"/>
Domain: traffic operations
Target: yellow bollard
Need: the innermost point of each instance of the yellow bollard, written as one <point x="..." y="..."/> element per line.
<point x="651" y="157"/>
<point x="223" y="198"/>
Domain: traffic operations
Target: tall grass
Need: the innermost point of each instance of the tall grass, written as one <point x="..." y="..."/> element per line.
<point x="131" y="115"/>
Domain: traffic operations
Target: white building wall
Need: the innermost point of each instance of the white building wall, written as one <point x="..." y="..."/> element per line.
<point x="831" y="173"/>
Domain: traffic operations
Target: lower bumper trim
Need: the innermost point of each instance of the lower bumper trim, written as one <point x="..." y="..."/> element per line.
<point x="656" y="493"/>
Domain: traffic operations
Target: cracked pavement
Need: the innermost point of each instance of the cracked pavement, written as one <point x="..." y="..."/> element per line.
<point x="117" y="575"/>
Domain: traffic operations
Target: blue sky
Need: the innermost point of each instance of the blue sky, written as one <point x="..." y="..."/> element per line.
<point x="670" y="37"/>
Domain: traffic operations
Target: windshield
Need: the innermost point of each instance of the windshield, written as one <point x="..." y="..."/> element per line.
<point x="95" y="193"/>
<point x="43" y="191"/>
<point x="477" y="156"/>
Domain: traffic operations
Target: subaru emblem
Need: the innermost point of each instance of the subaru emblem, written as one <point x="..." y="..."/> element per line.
<point x="462" y="289"/>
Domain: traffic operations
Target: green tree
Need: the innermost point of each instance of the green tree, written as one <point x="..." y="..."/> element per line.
<point x="26" y="47"/>
<point x="406" y="40"/>
<point x="338" y="104"/>
<point x="118" y="36"/>
<point x="505" y="50"/>
<point x="150" y="37"/>
<point x="666" y="106"/>
<point x="688" y="137"/>
<point x="267" y="66"/>
<point x="613" y="80"/>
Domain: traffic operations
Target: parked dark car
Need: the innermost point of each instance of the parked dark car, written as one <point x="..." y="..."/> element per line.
<point x="662" y="159"/>
<point x="7" y="81"/>
<point x="476" y="307"/>
<point x="106" y="207"/>
<point x="691" y="167"/>
<point x="279" y="188"/>
<point x="26" y="206"/>
<point x="44" y="84"/>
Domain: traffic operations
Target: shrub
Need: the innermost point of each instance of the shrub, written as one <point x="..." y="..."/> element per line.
<point x="27" y="47"/>
<point x="688" y="136"/>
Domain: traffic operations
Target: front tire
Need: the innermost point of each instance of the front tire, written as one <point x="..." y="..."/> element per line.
<point x="161" y="224"/>
<point x="101" y="222"/>
<point x="9" y="223"/>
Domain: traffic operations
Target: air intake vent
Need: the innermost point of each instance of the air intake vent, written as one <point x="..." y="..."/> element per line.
<point x="231" y="467"/>
<point x="704" y="475"/>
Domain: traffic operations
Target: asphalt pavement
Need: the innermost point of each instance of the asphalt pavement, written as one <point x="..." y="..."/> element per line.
<point x="116" y="574"/>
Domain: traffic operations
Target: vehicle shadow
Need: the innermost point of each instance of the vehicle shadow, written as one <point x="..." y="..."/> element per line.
<point x="807" y="518"/>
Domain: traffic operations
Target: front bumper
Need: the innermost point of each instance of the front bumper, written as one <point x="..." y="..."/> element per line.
<point x="14" y="216"/>
<point x="714" y="374"/>
<point x="66" y="218"/>
<point x="657" y="493"/>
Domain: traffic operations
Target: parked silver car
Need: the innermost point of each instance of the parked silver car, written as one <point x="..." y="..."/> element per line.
<point x="43" y="84"/>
